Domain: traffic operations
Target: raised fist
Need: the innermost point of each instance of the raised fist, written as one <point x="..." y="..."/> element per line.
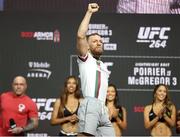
<point x="93" y="7"/>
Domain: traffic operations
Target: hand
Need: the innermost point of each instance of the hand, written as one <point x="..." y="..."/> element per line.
<point x="178" y="123"/>
<point x="110" y="113"/>
<point x="115" y="113"/>
<point x="93" y="7"/>
<point x="161" y="112"/>
<point x="73" y="118"/>
<point x="16" y="130"/>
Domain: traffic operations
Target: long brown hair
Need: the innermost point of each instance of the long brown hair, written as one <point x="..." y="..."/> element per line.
<point x="167" y="101"/>
<point x="64" y="94"/>
<point x="115" y="102"/>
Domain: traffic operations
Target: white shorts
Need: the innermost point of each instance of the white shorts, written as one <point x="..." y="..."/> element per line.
<point x="93" y="118"/>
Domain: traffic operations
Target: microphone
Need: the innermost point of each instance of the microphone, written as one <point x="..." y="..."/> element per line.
<point x="12" y="123"/>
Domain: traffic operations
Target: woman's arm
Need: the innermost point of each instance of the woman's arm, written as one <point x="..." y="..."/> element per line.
<point x="171" y="120"/>
<point x="122" y="123"/>
<point x="55" y="119"/>
<point x="147" y="123"/>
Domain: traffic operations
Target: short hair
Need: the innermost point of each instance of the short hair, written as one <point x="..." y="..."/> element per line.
<point x="92" y="34"/>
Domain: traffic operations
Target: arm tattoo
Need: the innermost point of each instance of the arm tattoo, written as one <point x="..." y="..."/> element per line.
<point x="30" y="126"/>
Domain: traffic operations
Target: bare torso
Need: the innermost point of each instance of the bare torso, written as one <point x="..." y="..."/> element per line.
<point x="161" y="129"/>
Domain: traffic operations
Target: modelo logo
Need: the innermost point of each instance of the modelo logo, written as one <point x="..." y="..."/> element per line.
<point x="156" y="36"/>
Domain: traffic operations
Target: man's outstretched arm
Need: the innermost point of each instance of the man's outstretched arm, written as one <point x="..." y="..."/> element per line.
<point x="82" y="44"/>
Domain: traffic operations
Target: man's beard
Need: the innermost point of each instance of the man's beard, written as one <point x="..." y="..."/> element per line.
<point x="96" y="54"/>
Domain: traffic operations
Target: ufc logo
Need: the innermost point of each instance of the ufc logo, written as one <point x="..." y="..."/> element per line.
<point x="45" y="103"/>
<point x="109" y="64"/>
<point x="151" y="32"/>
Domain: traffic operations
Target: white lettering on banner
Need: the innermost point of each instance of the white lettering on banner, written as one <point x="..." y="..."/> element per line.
<point x="156" y="36"/>
<point x="146" y="64"/>
<point x="39" y="70"/>
<point x="148" y="80"/>
<point x="45" y="107"/>
<point x="98" y="26"/>
<point x="136" y="72"/>
<point x="43" y="35"/>
<point x="110" y="46"/>
<point x="55" y="36"/>
<point x="37" y="135"/>
<point x="149" y="71"/>
<point x="106" y="39"/>
<point x="39" y="73"/>
<point x="145" y="73"/>
<point x="38" y="64"/>
<point x="109" y="64"/>
<point x="151" y="32"/>
<point x="105" y="32"/>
